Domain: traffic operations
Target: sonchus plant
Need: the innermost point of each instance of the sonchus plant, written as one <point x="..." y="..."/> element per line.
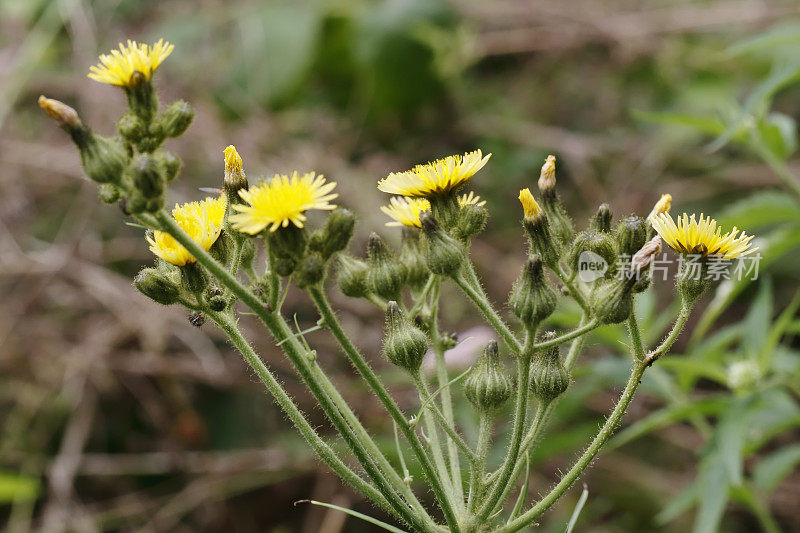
<point x="205" y="254"/>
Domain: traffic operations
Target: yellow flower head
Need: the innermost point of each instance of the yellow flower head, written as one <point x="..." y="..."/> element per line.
<point x="118" y="67"/>
<point x="663" y="205"/>
<point x="529" y="205"/>
<point x="201" y="220"/>
<point x="281" y="200"/>
<point x="703" y="237"/>
<point x="234" y="179"/>
<point x="405" y="211"/>
<point x="436" y="178"/>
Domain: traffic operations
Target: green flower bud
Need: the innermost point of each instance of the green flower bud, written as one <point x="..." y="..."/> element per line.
<point x="103" y="159"/>
<point x="386" y="275"/>
<point x="158" y="286"/>
<point x="215" y="297"/>
<point x="404" y="345"/>
<point x="108" y="193"/>
<point x="311" y="271"/>
<point x="631" y="235"/>
<point x="287" y="246"/>
<point x="248" y="253"/>
<point x="413" y="258"/>
<point x="601" y="221"/>
<point x="560" y="221"/>
<point x="134" y="204"/>
<point x="443" y="253"/>
<point x="336" y="234"/>
<point x="612" y="301"/>
<point x="471" y="221"/>
<point x="643" y="283"/>
<point x="131" y="128"/>
<point x="550" y="378"/>
<point x="487" y="388"/>
<point x="223" y="247"/>
<point x="352" y="276"/>
<point x="170" y="164"/>
<point x="531" y="299"/>
<point x="147" y="176"/>
<point x="592" y="246"/>
<point x="154" y="204"/>
<point x="176" y="118"/>
<point x="194" y="277"/>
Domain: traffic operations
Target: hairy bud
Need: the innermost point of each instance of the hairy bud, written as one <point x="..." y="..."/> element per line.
<point x="146" y="176"/>
<point x="386" y="275"/>
<point x="487" y="388"/>
<point x="336" y="234"/>
<point x="195" y="278"/>
<point x="601" y="221"/>
<point x="287" y="247"/>
<point x="352" y="276"/>
<point x="612" y="301"/>
<point x="404" y="345"/>
<point x="590" y="245"/>
<point x="170" y="164"/>
<point x="158" y="286"/>
<point x="176" y="118"/>
<point x="215" y="298"/>
<point x="550" y="377"/>
<point x="413" y="258"/>
<point x="443" y="252"/>
<point x="631" y="234"/>
<point x="311" y="271"/>
<point x="531" y="299"/>
<point x="235" y="179"/>
<point x="472" y="220"/>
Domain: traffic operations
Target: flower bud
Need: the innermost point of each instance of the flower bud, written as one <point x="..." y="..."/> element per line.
<point x="550" y="378"/>
<point x="662" y="206"/>
<point x="593" y="246"/>
<point x="146" y="175"/>
<point x="248" y="253"/>
<point x="471" y="220"/>
<point x="235" y="179"/>
<point x="531" y="299"/>
<point x="487" y="388"/>
<point x="601" y="221"/>
<point x="404" y="345"/>
<point x="176" y="118"/>
<point x="223" y="247"/>
<point x="644" y="257"/>
<point x="631" y="234"/>
<point x="287" y="246"/>
<point x="157" y="285"/>
<point x="215" y="297"/>
<point x="311" y="271"/>
<point x="612" y="301"/>
<point x="134" y="203"/>
<point x="443" y="253"/>
<point x="170" y="164"/>
<point x="109" y="193"/>
<point x="142" y="99"/>
<point x="386" y="275"/>
<point x="131" y="128"/>
<point x="352" y="276"/>
<point x="65" y="116"/>
<point x="336" y="234"/>
<point x="537" y="227"/>
<point x="103" y="159"/>
<point x="413" y="258"/>
<point x="194" y="277"/>
<point x="692" y="280"/>
<point x="547" y="177"/>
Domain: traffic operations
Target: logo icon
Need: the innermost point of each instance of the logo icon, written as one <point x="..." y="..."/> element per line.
<point x="591" y="266"/>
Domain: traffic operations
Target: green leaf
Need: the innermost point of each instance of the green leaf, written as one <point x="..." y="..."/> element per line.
<point x="366" y="518"/>
<point x="778" y="329"/>
<point x="778" y="133"/>
<point x="780" y="37"/>
<point x="708" y="125"/>
<point x="757" y="320"/>
<point x="578" y="508"/>
<point x="760" y="209"/>
<point x="775" y="467"/>
<point x="713" y="488"/>
<point x="14" y="487"/>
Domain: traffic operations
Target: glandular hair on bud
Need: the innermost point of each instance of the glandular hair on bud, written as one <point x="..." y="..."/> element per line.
<point x="593" y="255"/>
<point x="471" y="221"/>
<point x="631" y="234"/>
<point x="351" y="276"/>
<point x="386" y="275"/>
<point x="550" y="377"/>
<point x="131" y="128"/>
<point x="601" y="221"/>
<point x="612" y="301"/>
<point x="443" y="253"/>
<point x="215" y="297"/>
<point x="158" y="286"/>
<point x="692" y="279"/>
<point x="194" y="277"/>
<point x="104" y="160"/>
<point x="176" y="118"/>
<point x="147" y="175"/>
<point x="310" y="271"/>
<point x="532" y="300"/>
<point x="487" y="387"/>
<point x="109" y="193"/>
<point x="287" y="247"/>
<point x="336" y="234"/>
<point x="404" y="345"/>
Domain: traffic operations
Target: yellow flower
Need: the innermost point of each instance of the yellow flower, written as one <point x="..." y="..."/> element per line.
<point x="405" y="211"/>
<point x="202" y="221"/>
<point x="662" y="206"/>
<point x="702" y="237"/>
<point x="118" y="67"/>
<point x="281" y="200"/>
<point x="529" y="205"/>
<point x="438" y="177"/>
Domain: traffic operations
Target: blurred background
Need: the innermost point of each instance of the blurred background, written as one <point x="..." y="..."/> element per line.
<point x="118" y="415"/>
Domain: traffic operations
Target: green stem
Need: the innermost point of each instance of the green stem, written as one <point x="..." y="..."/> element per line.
<point x="636" y="336"/>
<point x="447" y="402"/>
<point x="523" y="381"/>
<point x="672" y="336"/>
<point x="228" y="324"/>
<point x="574" y="290"/>
<point x="478" y="469"/>
<point x="296" y="353"/>
<point x="585" y="459"/>
<point x="361" y="365"/>
<point x="475" y="293"/>
<point x="577" y="332"/>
